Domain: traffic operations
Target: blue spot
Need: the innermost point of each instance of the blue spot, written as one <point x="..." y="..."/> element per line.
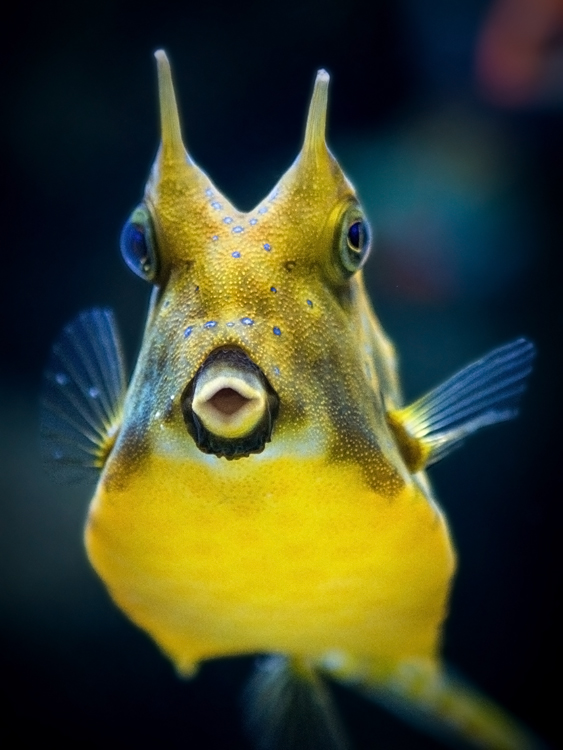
<point x="216" y="205"/>
<point x="188" y="331"/>
<point x="247" y="321"/>
<point x="61" y="378"/>
<point x="253" y="221"/>
<point x="196" y="289"/>
<point x="230" y="325"/>
<point x="215" y="237"/>
<point x="309" y="303"/>
<point x="210" y="324"/>
<point x="227" y="220"/>
<point x="263" y="210"/>
<point x="236" y="254"/>
<point x="93" y="392"/>
<point x="209" y="192"/>
<point x="267" y="246"/>
<point x="166" y="304"/>
<point x="276" y="331"/>
<point x="238" y="230"/>
<point x="273" y="289"/>
<point x="276" y="370"/>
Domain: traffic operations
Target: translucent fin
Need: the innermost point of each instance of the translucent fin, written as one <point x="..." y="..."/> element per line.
<point x="483" y="393"/>
<point x="448" y="708"/>
<point x="290" y="708"/>
<point x="83" y="392"/>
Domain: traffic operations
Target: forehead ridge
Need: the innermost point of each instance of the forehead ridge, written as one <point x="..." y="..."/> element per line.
<point x="185" y="202"/>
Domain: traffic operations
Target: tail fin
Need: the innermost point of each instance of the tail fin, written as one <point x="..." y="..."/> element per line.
<point x="289" y="707"/>
<point x="448" y="708"/>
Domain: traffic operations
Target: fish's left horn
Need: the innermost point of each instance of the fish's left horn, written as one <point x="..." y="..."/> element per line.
<point x="316" y="120"/>
<point x="172" y="145"/>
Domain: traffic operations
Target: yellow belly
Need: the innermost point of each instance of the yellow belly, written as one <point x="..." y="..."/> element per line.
<point x="282" y="555"/>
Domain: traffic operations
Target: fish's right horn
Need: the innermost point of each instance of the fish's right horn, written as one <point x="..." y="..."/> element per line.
<point x="173" y="148"/>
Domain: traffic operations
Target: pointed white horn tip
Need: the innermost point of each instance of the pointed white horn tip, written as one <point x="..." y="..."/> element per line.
<point x="161" y="57"/>
<point x="164" y="71"/>
<point x="316" y="118"/>
<point x="163" y="66"/>
<point x="320" y="89"/>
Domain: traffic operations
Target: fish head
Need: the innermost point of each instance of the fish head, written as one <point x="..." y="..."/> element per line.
<point x="257" y="323"/>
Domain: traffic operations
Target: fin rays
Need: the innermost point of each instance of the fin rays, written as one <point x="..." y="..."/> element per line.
<point x="83" y="393"/>
<point x="483" y="393"/>
<point x="489" y="376"/>
<point x="290" y="708"/>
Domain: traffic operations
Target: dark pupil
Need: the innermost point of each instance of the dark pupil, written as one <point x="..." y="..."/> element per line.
<point x="134" y="246"/>
<point x="356" y="235"/>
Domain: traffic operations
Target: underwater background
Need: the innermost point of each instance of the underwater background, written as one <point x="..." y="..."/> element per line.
<point x="448" y="118"/>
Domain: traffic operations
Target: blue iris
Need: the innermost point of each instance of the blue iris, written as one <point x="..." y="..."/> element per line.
<point x="355" y="244"/>
<point x="136" y="243"/>
<point x="358" y="236"/>
<point x="134" y="247"/>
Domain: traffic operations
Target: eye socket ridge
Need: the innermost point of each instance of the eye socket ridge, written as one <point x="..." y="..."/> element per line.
<point x="137" y="244"/>
<point x="354" y="239"/>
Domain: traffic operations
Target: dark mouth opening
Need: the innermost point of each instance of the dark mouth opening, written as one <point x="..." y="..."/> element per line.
<point x="229" y="406"/>
<point x="228" y="401"/>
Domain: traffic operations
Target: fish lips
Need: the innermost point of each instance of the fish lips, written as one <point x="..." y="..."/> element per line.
<point x="229" y="406"/>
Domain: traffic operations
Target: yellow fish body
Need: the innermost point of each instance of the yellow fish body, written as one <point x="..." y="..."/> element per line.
<point x="262" y="486"/>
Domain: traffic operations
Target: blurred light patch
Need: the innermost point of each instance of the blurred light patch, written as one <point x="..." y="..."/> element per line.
<point x="445" y="197"/>
<point x="519" y="58"/>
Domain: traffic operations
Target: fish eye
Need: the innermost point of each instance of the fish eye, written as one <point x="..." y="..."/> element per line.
<point x="137" y="244"/>
<point x="355" y="240"/>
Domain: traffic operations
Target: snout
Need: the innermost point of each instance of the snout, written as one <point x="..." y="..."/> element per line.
<point x="229" y="407"/>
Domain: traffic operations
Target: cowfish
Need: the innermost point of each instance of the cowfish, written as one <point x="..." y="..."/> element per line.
<point x="261" y="486"/>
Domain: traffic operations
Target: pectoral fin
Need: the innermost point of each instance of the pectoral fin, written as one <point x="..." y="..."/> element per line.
<point x="83" y="393"/>
<point x="482" y="394"/>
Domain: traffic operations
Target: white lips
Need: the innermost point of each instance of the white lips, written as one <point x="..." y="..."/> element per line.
<point x="229" y="401"/>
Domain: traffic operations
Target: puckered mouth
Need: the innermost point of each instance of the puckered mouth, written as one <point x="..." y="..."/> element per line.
<point x="229" y="407"/>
